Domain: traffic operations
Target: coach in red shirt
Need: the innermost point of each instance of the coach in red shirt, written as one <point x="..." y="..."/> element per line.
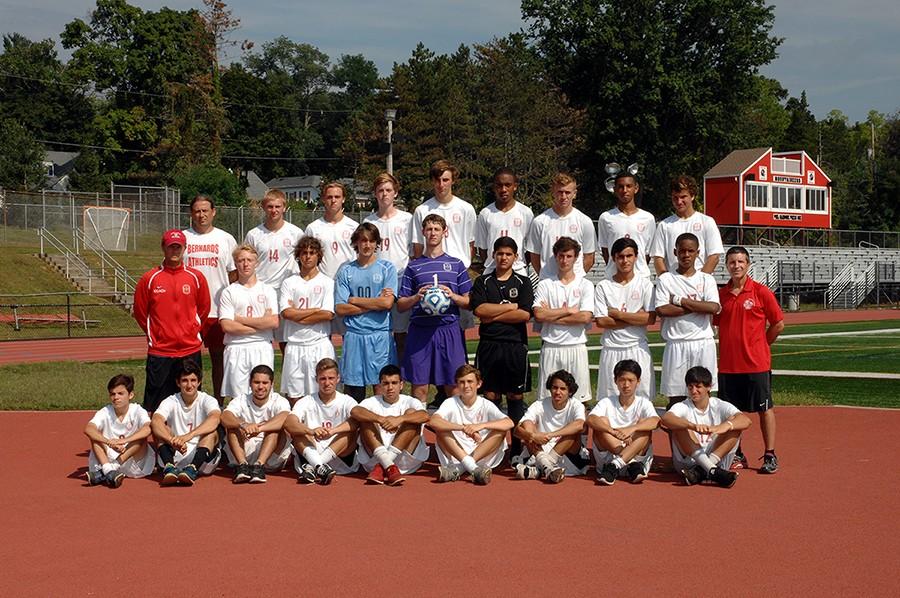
<point x="749" y="323"/>
<point x="171" y="302"/>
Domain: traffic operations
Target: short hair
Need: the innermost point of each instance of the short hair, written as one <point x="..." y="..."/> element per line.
<point x="326" y="363"/>
<point x="566" y="244"/>
<point x="438" y="168"/>
<point x="263" y="369"/>
<point x="466" y="369"/>
<point x="504" y="171"/>
<point x="244" y="247"/>
<point x="562" y="179"/>
<point x="564" y="377"/>
<point x="125" y="380"/>
<point x="188" y="367"/>
<point x="737" y="249"/>
<point x="334" y="185"/>
<point x="385" y="177"/>
<point x="203" y="197"/>
<point x="687" y="237"/>
<point x="308" y="242"/>
<point x="622" y="244"/>
<point x="625" y="366"/>
<point x="622" y="174"/>
<point x="434" y="218"/>
<point x="366" y="228"/>
<point x="273" y="194"/>
<point x="683" y="182"/>
<point x="698" y="375"/>
<point x="389" y="370"/>
<point x="506" y="242"/>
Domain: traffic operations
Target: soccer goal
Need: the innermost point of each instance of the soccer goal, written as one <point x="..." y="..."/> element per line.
<point x="107" y="226"/>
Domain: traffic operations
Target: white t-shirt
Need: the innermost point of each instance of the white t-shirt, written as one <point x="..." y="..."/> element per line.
<point x="699" y="224"/>
<point x="314" y="413"/>
<point x="691" y="326"/>
<point x="335" y="239"/>
<point x="246" y="410"/>
<point x="494" y="223"/>
<point x="250" y="302"/>
<point x="211" y="254"/>
<point x="377" y="405"/>
<point x="716" y="412"/>
<point x="548" y="227"/>
<point x="631" y="297"/>
<point x="552" y="291"/>
<point x="460" y="217"/>
<point x="182" y="419"/>
<point x="547" y="419"/>
<point x="317" y="292"/>
<point x="454" y="411"/>
<point x="395" y="235"/>
<point x="111" y="426"/>
<point x="276" y="252"/>
<point x="640" y="227"/>
<point x="620" y="417"/>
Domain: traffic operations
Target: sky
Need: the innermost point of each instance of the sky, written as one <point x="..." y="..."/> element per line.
<point x="846" y="55"/>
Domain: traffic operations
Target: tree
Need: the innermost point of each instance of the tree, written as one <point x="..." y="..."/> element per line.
<point x="213" y="180"/>
<point x="802" y="131"/>
<point x="21" y="158"/>
<point x="763" y="119"/>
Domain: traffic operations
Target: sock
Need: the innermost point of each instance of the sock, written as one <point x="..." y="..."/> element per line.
<point x="714" y="458"/>
<point x="546" y="460"/>
<point x="515" y="409"/>
<point x="108" y="468"/>
<point x="394" y="451"/>
<point x="703" y="460"/>
<point x="201" y="456"/>
<point x="312" y="456"/>
<point x="328" y="455"/>
<point x="384" y="456"/>
<point x="619" y="462"/>
<point x="469" y="463"/>
<point x="770" y="452"/>
<point x="167" y="454"/>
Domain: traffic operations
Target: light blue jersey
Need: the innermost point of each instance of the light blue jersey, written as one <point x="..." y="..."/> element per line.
<point x="353" y="280"/>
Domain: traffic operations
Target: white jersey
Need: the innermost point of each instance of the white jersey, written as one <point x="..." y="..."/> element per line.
<point x="249" y="302"/>
<point x="554" y="293"/>
<point x="546" y="230"/>
<point x="317" y="292"/>
<point x="717" y="411"/>
<point x="494" y="223"/>
<point x="547" y="418"/>
<point x="691" y="326"/>
<point x="111" y="426"/>
<point x="276" y="252"/>
<point x="180" y="418"/>
<point x="460" y="217"/>
<point x="246" y="410"/>
<point x="335" y="239"/>
<point x="615" y="224"/>
<point x="622" y="417"/>
<point x="454" y="411"/>
<point x="211" y="254"/>
<point x="699" y="224"/>
<point x="631" y="297"/>
<point x="377" y="405"/>
<point x="395" y="235"/>
<point x="314" y="413"/>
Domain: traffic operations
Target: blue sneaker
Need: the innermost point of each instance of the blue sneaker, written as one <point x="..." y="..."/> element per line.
<point x="188" y="475"/>
<point x="95" y="477"/>
<point x="170" y="475"/>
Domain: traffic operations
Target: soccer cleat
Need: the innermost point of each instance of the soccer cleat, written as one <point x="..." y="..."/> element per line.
<point x="257" y="474"/>
<point x="635" y="472"/>
<point x="556" y="475"/>
<point x="393" y="475"/>
<point x="307" y="474"/>
<point x="723" y="477"/>
<point x="608" y="475"/>
<point x="95" y="477"/>
<point x="448" y="473"/>
<point x="324" y="474"/>
<point x="170" y="475"/>
<point x="188" y="475"/>
<point x="739" y="461"/>
<point x="482" y="475"/>
<point x="526" y="472"/>
<point x="241" y="473"/>
<point x="693" y="475"/>
<point x="115" y="479"/>
<point x="770" y="463"/>
<point x="377" y="475"/>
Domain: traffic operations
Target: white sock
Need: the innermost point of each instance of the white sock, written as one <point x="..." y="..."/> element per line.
<point x="619" y="462"/>
<point x="714" y="458"/>
<point x="703" y="460"/>
<point x="109" y="467"/>
<point x="395" y="452"/>
<point x="328" y="455"/>
<point x="312" y="456"/>
<point x="469" y="463"/>
<point x="546" y="460"/>
<point x="384" y="456"/>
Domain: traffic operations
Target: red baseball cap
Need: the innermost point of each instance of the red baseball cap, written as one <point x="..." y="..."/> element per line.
<point x="173" y="237"/>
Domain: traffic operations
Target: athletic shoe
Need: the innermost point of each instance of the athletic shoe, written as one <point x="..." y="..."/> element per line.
<point x="770" y="463"/>
<point x="95" y="477"/>
<point x="526" y="472"/>
<point x="556" y="475"/>
<point x="608" y="474"/>
<point x="324" y="474"/>
<point x="188" y="475"/>
<point x="448" y="474"/>
<point x="635" y="472"/>
<point x="376" y="476"/>
<point x="693" y="475"/>
<point x="739" y="461"/>
<point x="516" y="460"/>
<point x="115" y="479"/>
<point x="170" y="475"/>
<point x="307" y="474"/>
<point x="482" y="475"/>
<point x="393" y="475"/>
<point x="241" y="473"/>
<point x="257" y="474"/>
<point x="723" y="477"/>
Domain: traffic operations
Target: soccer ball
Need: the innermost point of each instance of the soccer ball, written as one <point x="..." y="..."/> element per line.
<point x="435" y="302"/>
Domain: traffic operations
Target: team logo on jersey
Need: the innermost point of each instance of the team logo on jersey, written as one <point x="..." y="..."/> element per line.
<point x="448" y="267"/>
<point x="346" y="234"/>
<point x="261" y="298"/>
<point x="457" y="219"/>
<point x="748" y="304"/>
<point x="635" y="295"/>
<point x="699" y="287"/>
<point x="517" y="222"/>
<point x="186" y="289"/>
<point x="641" y="226"/>
<point x="317" y="290"/>
<point x="697" y="226"/>
<point x="377" y="278"/>
<point x="573" y="228"/>
<point x="576" y="293"/>
<point x="287" y="243"/>
<point x="398" y="230"/>
<point x="513" y="293"/>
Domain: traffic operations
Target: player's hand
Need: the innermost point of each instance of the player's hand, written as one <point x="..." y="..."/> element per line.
<point x="540" y="438"/>
<point x="619" y="434"/>
<point x="388" y="292"/>
<point x="321" y="433"/>
<point x="391" y="423"/>
<point x="471" y="430"/>
<point x="250" y="430"/>
<point x="703" y="429"/>
<point x="178" y="443"/>
<point x="422" y="290"/>
<point x="116" y="444"/>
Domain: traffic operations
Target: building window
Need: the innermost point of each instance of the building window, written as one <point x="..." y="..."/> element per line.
<point x="756" y="196"/>
<point x="785" y="166"/>
<point x="815" y="200"/>
<point x="787" y="198"/>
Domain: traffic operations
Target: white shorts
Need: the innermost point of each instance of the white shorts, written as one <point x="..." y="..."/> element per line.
<point x="184" y="459"/>
<point x="132" y="468"/>
<point x="399" y="319"/>
<point x="298" y="372"/>
<point x="573" y="359"/>
<point x="276" y="461"/>
<point x="681" y="461"/>
<point x="407" y="463"/>
<point x="606" y="381"/>
<point x="564" y="461"/>
<point x="679" y="357"/>
<point x="239" y="360"/>
<point x="601" y="458"/>
<point x="491" y="461"/>
<point x="337" y="464"/>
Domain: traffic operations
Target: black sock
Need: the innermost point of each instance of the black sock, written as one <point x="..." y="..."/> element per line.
<point x="201" y="456"/>
<point x="515" y="409"/>
<point x="770" y="452"/>
<point x="167" y="454"/>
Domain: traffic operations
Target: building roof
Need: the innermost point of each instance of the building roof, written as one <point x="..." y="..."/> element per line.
<point x="292" y="182"/>
<point x="60" y="158"/>
<point x="256" y="188"/>
<point x="735" y="163"/>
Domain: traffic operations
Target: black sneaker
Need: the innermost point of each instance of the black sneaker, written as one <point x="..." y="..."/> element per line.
<point x="241" y="473"/>
<point x="693" y="475"/>
<point x="324" y="474"/>
<point x="115" y="479"/>
<point x="307" y="474"/>
<point x="257" y="474"/>
<point x="770" y="463"/>
<point x="608" y="474"/>
<point x="723" y="477"/>
<point x="95" y="477"/>
<point x="635" y="472"/>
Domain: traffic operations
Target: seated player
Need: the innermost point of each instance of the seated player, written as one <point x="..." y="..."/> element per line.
<point x="185" y="428"/>
<point x="118" y="435"/>
<point x="623" y="427"/>
<point x="551" y="431"/>
<point x="253" y="429"/>
<point x="391" y="444"/>
<point x="322" y="431"/>
<point x="470" y="432"/>
<point x="705" y="432"/>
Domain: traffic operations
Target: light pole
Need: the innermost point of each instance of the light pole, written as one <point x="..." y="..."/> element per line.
<point x="390" y="114"/>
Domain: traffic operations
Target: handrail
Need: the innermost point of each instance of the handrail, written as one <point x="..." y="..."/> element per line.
<point x="839" y="283"/>
<point x="72" y="258"/>
<point x="867" y="245"/>
<point x="864" y="285"/>
<point x="119" y="273"/>
<point x="770" y="243"/>
<point x="770" y="278"/>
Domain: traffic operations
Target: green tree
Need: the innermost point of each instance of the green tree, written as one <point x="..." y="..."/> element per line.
<point x="802" y="130"/>
<point x="213" y="180"/>
<point x="21" y="158"/>
<point x="763" y="119"/>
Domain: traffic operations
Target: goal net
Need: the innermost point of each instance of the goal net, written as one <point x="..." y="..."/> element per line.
<point x="107" y="226"/>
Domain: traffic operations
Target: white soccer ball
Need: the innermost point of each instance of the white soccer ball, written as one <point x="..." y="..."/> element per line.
<point x="435" y="302"/>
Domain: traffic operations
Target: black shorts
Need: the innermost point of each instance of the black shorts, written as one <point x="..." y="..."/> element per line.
<point x="161" y="378"/>
<point x="750" y="393"/>
<point x="504" y="367"/>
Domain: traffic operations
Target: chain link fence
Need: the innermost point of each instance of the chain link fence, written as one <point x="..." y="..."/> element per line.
<point x="63" y="315"/>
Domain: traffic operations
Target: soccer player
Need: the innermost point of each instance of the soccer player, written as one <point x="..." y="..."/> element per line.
<point x="391" y="444"/>
<point x="365" y="290"/>
<point x="626" y="221"/>
<point x="623" y="425"/>
<point x="185" y="428"/>
<point x="551" y="430"/>
<point x="623" y="307"/>
<point x="503" y="299"/>
<point x="683" y="190"/>
<point x="749" y="323"/>
<point x="334" y="230"/>
<point x="686" y="300"/>
<point x="248" y="313"/>
<point x="322" y="431"/>
<point x="253" y="429"/>
<point x="504" y="218"/>
<point x="307" y="307"/>
<point x="208" y="250"/>
<point x="434" y="345"/>
<point x="705" y="432"/>
<point x="562" y="219"/>
<point x="470" y="432"/>
<point x="118" y="435"/>
<point x="564" y="305"/>
<point x="171" y="302"/>
<point x="457" y="213"/>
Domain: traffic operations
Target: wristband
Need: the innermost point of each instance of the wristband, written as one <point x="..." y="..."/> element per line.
<point x="730" y="424"/>
<point x="676" y="301"/>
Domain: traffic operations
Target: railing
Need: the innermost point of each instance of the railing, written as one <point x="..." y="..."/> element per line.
<point x="839" y="284"/>
<point x="73" y="260"/>
<point x="766" y="242"/>
<point x="123" y="282"/>
<point x="865" y="284"/>
<point x="867" y="245"/>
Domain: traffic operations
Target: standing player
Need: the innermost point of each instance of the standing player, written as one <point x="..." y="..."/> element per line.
<point x="504" y="218"/>
<point x="334" y="230"/>
<point x="170" y="304"/>
<point x="365" y="289"/>
<point x="457" y="213"/>
<point x="248" y="313"/>
<point x="749" y="323"/>
<point x="208" y="250"/>
<point x="470" y="432"/>
<point x="626" y="221"/>
<point x="564" y="304"/>
<point x="683" y="190"/>
<point x="307" y="307"/>
<point x="623" y="307"/>
<point x="253" y="429"/>
<point x="563" y="219"/>
<point x="391" y="443"/>
<point x="118" y="435"/>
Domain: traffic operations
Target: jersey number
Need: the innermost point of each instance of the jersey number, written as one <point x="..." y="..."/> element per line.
<point x="385" y="244"/>
<point x="302" y="302"/>
<point x="363" y="292"/>
<point x="504" y="232"/>
<point x="249" y="311"/>
<point x="273" y="255"/>
<point x="334" y="247"/>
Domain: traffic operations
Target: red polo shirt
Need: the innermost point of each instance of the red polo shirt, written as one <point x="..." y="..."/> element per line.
<point x="742" y="328"/>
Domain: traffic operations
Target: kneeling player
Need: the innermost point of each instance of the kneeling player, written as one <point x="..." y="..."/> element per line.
<point x="390" y="431"/>
<point x="470" y="431"/>
<point x="118" y="435"/>
<point x="253" y="429"/>
<point x="184" y="426"/>
<point x="623" y="426"/>
<point x="705" y="432"/>
<point x="551" y="431"/>
<point x="324" y="435"/>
